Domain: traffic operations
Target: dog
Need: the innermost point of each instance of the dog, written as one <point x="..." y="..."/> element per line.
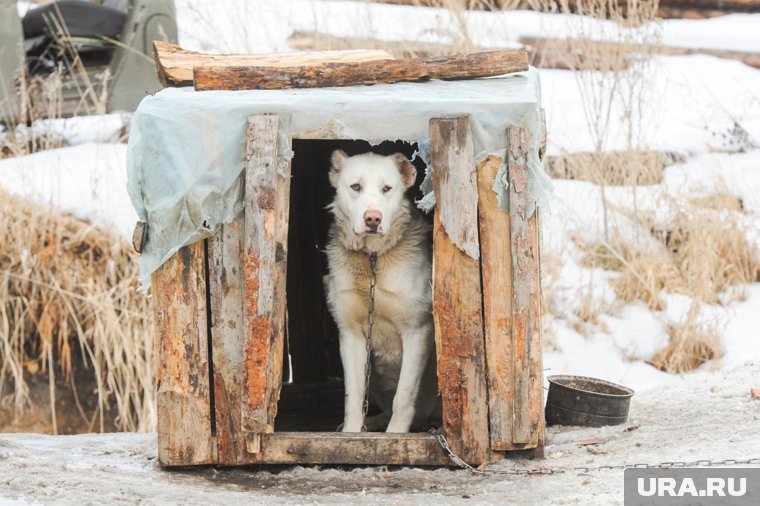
<point x="371" y="214"/>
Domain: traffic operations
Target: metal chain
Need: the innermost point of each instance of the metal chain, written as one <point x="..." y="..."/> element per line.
<point x="368" y="339"/>
<point x="585" y="469"/>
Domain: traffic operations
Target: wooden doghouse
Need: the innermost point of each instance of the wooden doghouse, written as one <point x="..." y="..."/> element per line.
<point x="241" y="313"/>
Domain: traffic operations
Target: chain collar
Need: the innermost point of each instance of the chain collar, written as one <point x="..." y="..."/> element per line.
<point x="368" y="337"/>
<point x="587" y="469"/>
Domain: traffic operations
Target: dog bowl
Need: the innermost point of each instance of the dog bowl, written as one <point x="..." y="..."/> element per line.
<point x="580" y="400"/>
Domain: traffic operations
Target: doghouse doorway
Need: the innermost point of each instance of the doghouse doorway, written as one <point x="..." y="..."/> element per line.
<point x="312" y="395"/>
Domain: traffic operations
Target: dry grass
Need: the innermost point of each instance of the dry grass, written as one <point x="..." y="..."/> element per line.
<point x="719" y="201"/>
<point x="703" y="255"/>
<point x="68" y="301"/>
<point x="630" y="167"/>
<point x="692" y="343"/>
<point x="69" y="311"/>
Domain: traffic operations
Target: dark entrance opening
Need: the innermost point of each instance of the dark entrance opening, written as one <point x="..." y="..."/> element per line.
<point x="312" y="393"/>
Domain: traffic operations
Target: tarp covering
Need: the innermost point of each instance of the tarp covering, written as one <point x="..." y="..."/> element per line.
<point x="186" y="152"/>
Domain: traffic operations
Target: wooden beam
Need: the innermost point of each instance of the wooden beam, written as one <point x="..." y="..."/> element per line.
<point x="457" y="311"/>
<point x="363" y="448"/>
<point x="466" y="66"/>
<point x="496" y="270"/>
<point x="267" y="204"/>
<point x="227" y="335"/>
<point x="184" y="405"/>
<point x="536" y="363"/>
<point x="525" y="287"/>
<point x="174" y="65"/>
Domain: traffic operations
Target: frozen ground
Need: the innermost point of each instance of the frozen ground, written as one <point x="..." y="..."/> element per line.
<point x="685" y="422"/>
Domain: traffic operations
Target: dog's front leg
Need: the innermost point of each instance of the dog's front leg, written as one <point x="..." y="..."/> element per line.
<point x="353" y="353"/>
<point x="417" y="346"/>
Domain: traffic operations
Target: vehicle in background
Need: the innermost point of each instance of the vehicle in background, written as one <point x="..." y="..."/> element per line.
<point x="73" y="57"/>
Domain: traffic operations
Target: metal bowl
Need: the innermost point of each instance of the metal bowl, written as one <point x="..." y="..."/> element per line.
<point x="580" y="400"/>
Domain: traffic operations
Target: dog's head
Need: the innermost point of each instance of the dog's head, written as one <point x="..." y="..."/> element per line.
<point x="370" y="189"/>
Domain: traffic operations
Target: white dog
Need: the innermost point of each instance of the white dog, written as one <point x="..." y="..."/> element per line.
<point x="371" y="214"/>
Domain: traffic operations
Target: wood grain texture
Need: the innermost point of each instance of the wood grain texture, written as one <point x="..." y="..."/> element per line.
<point x="184" y="406"/>
<point x="367" y="448"/>
<point x="466" y="66"/>
<point x="457" y="311"/>
<point x="456" y="195"/>
<point x="496" y="271"/>
<point x="174" y="65"/>
<point x="525" y="291"/>
<point x="265" y="262"/>
<point x="536" y="364"/>
<point x="226" y="289"/>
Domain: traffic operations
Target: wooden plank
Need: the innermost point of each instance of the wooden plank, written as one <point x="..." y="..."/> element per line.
<point x="265" y="262"/>
<point x="184" y="407"/>
<point x="174" y="65"/>
<point x="525" y="291"/>
<point x="457" y="195"/>
<point x="363" y="448"/>
<point x="536" y="387"/>
<point x="227" y="335"/>
<point x="465" y="66"/>
<point x="457" y="312"/>
<point x="496" y="271"/>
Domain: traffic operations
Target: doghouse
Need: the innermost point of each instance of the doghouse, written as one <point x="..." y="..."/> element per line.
<point x="233" y="187"/>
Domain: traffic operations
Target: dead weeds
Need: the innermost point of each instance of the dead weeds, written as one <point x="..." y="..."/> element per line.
<point x="68" y="300"/>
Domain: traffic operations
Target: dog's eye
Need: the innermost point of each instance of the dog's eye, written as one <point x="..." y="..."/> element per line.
<point x="356" y="187"/>
<point x="386" y="189"/>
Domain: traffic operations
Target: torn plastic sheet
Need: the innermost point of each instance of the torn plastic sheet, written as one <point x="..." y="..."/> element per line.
<point x="186" y="153"/>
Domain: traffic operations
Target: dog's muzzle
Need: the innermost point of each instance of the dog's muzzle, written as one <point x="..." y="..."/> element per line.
<point x="372" y="221"/>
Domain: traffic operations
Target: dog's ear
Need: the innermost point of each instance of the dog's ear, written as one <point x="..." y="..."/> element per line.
<point x="407" y="170"/>
<point x="337" y="159"/>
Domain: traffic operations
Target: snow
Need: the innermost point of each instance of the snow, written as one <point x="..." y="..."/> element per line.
<point x="88" y="181"/>
<point x="692" y="106"/>
<point x="665" y="425"/>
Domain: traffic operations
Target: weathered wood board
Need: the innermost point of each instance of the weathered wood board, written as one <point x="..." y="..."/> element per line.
<point x="496" y="270"/>
<point x="226" y="295"/>
<point x="465" y="66"/>
<point x="174" y="65"/>
<point x="184" y="405"/>
<point x="525" y="291"/>
<point x="264" y="267"/>
<point x="457" y="310"/>
<point x="364" y="448"/>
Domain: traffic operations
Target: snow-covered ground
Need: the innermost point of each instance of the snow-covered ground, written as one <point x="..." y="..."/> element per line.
<point x="704" y="108"/>
<point x="684" y="422"/>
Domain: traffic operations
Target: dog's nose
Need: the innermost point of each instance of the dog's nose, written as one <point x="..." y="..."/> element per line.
<point x="372" y="219"/>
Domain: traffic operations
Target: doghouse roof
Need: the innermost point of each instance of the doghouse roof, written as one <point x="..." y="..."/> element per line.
<point x="187" y="148"/>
